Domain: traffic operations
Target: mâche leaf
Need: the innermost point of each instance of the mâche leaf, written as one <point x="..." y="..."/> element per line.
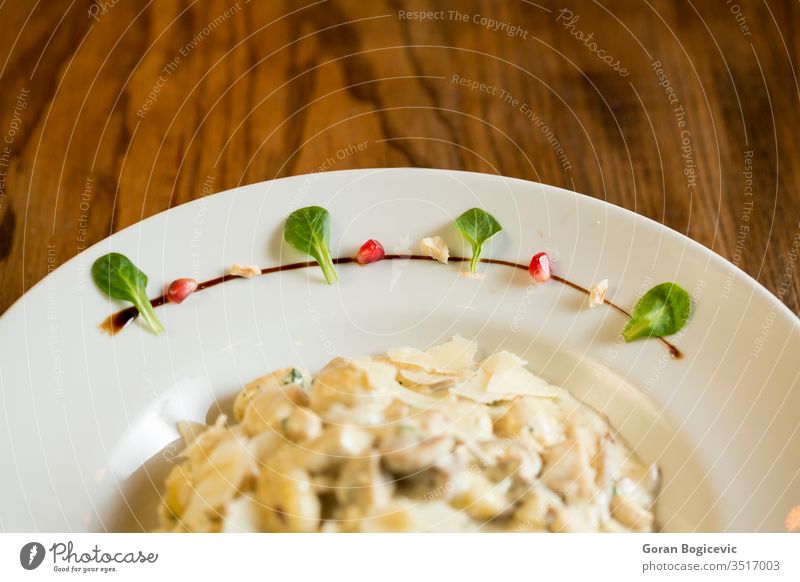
<point x="116" y="276"/>
<point x="477" y="226"/>
<point x="308" y="230"/>
<point x="660" y="312"/>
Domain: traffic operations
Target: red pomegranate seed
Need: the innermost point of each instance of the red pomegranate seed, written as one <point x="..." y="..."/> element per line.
<point x="180" y="289"/>
<point x="540" y="267"/>
<point x="370" y="252"/>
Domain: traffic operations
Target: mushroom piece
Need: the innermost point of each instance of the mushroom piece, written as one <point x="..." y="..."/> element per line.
<point x="481" y="498"/>
<point x="536" y="511"/>
<point x="630" y="514"/>
<point x="451" y="475"/>
<point x="568" y="469"/>
<point x="404" y="459"/>
<point x="363" y="484"/>
<point x="517" y="462"/>
<point x="531" y="418"/>
<point x="466" y="420"/>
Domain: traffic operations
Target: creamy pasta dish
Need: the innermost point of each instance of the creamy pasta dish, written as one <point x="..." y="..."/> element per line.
<point x="412" y="440"/>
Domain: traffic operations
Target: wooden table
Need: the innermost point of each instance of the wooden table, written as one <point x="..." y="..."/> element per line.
<point x="686" y="112"/>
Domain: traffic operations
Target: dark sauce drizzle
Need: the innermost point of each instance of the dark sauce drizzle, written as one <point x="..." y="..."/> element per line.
<point x="119" y="320"/>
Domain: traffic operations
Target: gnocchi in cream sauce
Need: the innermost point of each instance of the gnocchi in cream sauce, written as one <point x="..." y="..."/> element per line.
<point x="412" y="440"/>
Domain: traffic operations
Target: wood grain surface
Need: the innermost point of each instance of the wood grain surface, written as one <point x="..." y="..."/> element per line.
<point x="685" y="112"/>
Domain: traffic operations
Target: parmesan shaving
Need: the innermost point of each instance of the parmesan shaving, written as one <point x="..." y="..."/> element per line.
<point x="450" y="358"/>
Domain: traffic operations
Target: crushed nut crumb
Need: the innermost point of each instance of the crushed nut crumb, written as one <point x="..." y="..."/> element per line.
<point x="597" y="294"/>
<point x="248" y="271"/>
<point x="435" y="247"/>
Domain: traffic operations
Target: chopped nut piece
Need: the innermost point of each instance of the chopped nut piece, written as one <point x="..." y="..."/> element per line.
<point x="436" y="248"/>
<point x="248" y="271"/>
<point x="597" y="294"/>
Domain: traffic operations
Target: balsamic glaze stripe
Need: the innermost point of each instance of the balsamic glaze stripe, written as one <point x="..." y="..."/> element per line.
<point x="119" y="320"/>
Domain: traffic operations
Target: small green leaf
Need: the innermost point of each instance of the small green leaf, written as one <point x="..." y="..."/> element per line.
<point x="660" y="312"/>
<point x="294" y="377"/>
<point x="308" y="230"/>
<point x="116" y="276"/>
<point x="477" y="226"/>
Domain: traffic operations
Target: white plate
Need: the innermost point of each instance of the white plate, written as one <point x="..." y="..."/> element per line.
<point x="89" y="420"/>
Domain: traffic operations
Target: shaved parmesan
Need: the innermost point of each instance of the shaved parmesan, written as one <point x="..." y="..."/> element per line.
<point x="502" y="376"/>
<point x="521" y="382"/>
<point x="502" y="361"/>
<point x="422" y="378"/>
<point x="380" y="375"/>
<point x="414" y="399"/>
<point x="454" y="355"/>
<point x="411" y="357"/>
<point x="476" y="388"/>
<point x="451" y="357"/>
